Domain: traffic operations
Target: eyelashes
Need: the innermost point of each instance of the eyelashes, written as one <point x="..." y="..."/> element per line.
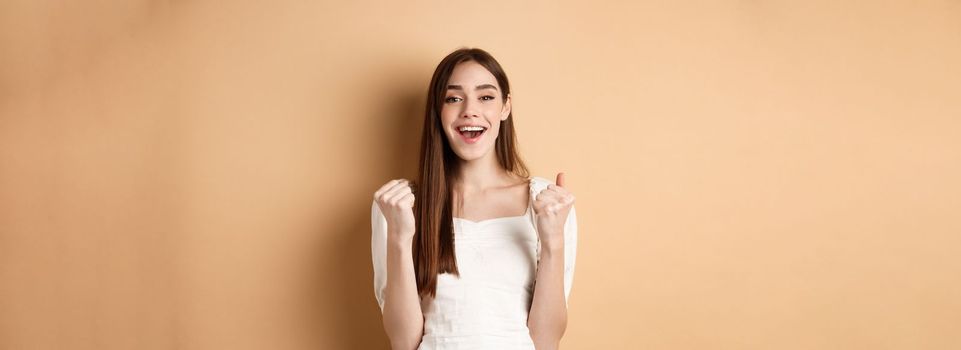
<point x="453" y="99"/>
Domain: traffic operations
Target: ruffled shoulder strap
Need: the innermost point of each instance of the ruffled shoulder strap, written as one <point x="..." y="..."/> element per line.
<point x="537" y="184"/>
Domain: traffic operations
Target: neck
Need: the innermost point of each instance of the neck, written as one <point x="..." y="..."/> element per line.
<point x="481" y="174"/>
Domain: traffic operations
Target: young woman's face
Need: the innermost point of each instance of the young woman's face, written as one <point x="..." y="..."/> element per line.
<point x="473" y="99"/>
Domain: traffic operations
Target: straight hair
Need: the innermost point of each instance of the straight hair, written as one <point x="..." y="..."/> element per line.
<point x="433" y="246"/>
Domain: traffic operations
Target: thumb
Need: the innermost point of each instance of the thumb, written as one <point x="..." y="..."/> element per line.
<point x="560" y="180"/>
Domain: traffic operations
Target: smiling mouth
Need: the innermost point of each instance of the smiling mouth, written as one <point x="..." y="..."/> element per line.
<point x="472" y="136"/>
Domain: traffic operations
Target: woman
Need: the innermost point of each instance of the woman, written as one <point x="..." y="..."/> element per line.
<point x="484" y="257"/>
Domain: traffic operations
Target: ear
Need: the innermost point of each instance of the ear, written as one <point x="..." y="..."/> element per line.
<point x="506" y="111"/>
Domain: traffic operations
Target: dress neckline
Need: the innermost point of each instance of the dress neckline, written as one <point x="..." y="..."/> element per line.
<point x="530" y="198"/>
<point x="498" y="218"/>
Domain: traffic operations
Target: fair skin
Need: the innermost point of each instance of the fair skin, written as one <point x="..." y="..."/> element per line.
<point x="483" y="190"/>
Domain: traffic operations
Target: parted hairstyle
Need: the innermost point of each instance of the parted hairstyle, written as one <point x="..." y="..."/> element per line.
<point x="433" y="246"/>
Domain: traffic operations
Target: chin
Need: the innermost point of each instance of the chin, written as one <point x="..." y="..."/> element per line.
<point x="468" y="157"/>
<point x="471" y="155"/>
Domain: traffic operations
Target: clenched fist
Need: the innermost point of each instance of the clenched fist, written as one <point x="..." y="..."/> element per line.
<point x="396" y="200"/>
<point x="551" y="207"/>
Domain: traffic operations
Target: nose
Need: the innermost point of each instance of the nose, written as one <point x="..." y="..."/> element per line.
<point x="470" y="109"/>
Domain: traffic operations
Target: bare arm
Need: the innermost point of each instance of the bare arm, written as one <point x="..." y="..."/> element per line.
<point x="547" y="320"/>
<point x="395" y="283"/>
<point x="557" y="230"/>
<point x="403" y="318"/>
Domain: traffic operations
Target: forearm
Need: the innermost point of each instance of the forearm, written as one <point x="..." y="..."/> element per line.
<point x="547" y="319"/>
<point x="403" y="318"/>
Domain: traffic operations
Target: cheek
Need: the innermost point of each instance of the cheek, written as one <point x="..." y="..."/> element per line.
<point x="448" y="115"/>
<point x="495" y="131"/>
<point x="492" y="109"/>
<point x="445" y="121"/>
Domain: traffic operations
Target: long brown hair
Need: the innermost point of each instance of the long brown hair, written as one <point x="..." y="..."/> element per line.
<point x="433" y="249"/>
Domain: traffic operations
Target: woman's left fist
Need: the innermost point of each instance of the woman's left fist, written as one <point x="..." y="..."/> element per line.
<point x="551" y="207"/>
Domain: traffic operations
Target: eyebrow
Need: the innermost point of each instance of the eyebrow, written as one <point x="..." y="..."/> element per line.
<point x="478" y="87"/>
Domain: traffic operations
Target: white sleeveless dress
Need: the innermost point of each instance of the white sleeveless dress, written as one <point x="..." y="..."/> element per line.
<point x="487" y="306"/>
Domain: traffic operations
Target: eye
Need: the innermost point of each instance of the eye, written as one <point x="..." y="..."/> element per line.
<point x="452" y="99"/>
<point x="487" y="97"/>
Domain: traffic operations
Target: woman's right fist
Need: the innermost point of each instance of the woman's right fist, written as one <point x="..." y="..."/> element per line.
<point x="396" y="200"/>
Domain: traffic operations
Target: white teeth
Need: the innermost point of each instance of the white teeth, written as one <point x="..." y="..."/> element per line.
<point x="470" y="128"/>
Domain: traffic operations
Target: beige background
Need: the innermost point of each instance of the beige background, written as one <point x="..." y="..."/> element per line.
<point x="749" y="174"/>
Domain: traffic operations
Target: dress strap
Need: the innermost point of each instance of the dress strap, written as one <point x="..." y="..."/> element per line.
<point x="530" y="202"/>
<point x="532" y="217"/>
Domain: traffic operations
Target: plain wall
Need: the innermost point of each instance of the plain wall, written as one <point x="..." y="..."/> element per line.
<point x="749" y="174"/>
